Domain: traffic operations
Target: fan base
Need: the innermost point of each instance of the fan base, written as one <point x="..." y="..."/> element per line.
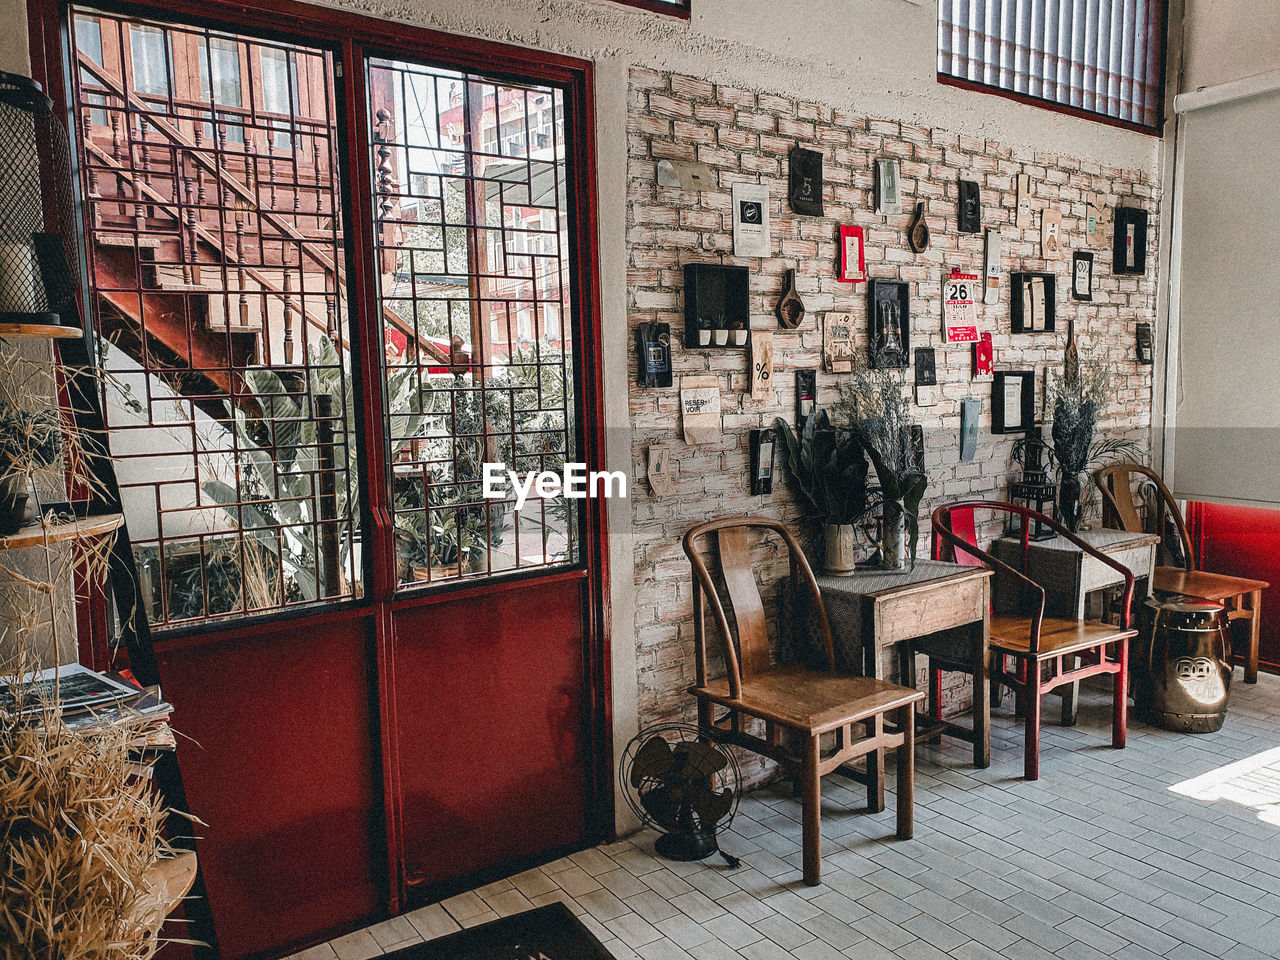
<point x="686" y="846"/>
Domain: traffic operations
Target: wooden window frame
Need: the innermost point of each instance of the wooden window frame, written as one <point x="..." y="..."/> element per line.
<point x="1154" y="130"/>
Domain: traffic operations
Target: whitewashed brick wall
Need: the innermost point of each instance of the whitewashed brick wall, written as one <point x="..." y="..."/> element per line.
<point x="745" y="136"/>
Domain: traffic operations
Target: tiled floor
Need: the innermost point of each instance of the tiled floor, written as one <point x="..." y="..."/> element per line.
<point x="1170" y="848"/>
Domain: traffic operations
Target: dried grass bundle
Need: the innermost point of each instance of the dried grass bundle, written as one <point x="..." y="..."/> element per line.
<point x="79" y="832"/>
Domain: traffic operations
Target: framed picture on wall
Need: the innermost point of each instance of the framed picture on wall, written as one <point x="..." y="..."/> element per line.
<point x="1013" y="401"/>
<point x="1082" y="276"/>
<point x="853" y="262"/>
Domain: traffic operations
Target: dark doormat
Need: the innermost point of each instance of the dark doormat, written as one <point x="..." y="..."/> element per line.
<point x="548" y="933"/>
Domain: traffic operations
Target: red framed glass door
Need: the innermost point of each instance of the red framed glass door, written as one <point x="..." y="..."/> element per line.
<point x="320" y="322"/>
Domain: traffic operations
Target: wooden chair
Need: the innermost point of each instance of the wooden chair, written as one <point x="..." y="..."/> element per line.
<point x="1241" y="596"/>
<point x="808" y="702"/>
<point x="1069" y="650"/>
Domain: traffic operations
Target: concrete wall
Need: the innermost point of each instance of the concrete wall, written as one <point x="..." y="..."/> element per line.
<point x="1229" y="39"/>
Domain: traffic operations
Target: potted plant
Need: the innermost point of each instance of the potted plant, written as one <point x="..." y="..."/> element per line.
<point x="874" y="406"/>
<point x="738" y="331"/>
<point x="704" y="331"/>
<point x="1077" y="398"/>
<point x="829" y="470"/>
<point x="719" y="332"/>
<point x="28" y="441"/>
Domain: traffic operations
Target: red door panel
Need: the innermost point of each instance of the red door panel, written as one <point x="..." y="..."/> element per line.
<point x="283" y="771"/>
<point x="1244" y="542"/>
<point x="490" y="723"/>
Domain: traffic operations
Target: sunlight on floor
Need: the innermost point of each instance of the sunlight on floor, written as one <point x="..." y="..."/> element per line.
<point x="1253" y="782"/>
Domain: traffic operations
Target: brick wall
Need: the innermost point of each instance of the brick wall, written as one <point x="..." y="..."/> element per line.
<point x="744" y="136"/>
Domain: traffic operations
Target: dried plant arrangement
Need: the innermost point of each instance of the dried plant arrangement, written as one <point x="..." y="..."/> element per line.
<point x="85" y="869"/>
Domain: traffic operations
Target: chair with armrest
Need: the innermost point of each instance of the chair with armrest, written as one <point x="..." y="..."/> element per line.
<point x="1241" y="596"/>
<point x="786" y="697"/>
<point x="1048" y="652"/>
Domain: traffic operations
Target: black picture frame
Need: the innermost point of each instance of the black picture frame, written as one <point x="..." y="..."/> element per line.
<point x="1025" y="407"/>
<point x="969" y="207"/>
<point x="762" y="447"/>
<point x="717" y="292"/>
<point x="1145" y="344"/>
<point x="1021" y="321"/>
<point x="1129" y="233"/>
<point x="889" y="291"/>
<point x="1082" y="265"/>
<point x="926" y="367"/>
<point x="806" y="396"/>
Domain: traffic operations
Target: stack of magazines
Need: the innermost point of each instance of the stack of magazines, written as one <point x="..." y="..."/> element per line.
<point x="85" y="699"/>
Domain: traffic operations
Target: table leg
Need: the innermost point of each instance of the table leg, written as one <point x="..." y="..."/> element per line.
<point x="1255" y="633"/>
<point x="875" y="765"/>
<point x="981" y="696"/>
<point x="907" y="772"/>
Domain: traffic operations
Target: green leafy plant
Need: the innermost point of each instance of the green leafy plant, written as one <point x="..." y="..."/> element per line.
<point x="828" y="467"/>
<point x="29" y="440"/>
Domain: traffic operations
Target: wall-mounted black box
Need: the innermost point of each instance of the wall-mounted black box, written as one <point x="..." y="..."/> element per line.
<point x="716" y="298"/>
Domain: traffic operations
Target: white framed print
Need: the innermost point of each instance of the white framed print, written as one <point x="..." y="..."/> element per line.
<point x="888" y="187"/>
<point x="750" y="220"/>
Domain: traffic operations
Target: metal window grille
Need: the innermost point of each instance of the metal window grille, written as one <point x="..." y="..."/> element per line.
<point x="1099" y="56"/>
<point x="217" y="269"/>
<point x="473" y="253"/>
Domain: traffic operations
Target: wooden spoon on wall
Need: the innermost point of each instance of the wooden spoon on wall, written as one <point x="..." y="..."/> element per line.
<point x="790" y="307"/>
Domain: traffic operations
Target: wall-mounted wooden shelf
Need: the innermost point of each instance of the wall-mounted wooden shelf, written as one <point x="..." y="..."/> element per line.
<point x="40" y="331"/>
<point x="84" y="528"/>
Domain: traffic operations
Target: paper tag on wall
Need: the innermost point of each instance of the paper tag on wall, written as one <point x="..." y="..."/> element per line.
<point x="761" y="365"/>
<point x="837" y="342"/>
<point x="1022" y="216"/>
<point x="700" y="409"/>
<point x="1052" y="241"/>
<point x="991" y="267"/>
<point x="659" y="469"/>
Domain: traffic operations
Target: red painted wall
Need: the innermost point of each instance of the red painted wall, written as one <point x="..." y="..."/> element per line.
<point x="1243" y="542"/>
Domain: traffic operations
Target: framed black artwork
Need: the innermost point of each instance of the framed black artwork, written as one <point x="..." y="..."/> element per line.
<point x="1032" y="302"/>
<point x="889" y="322"/>
<point x="804" y="186"/>
<point x="1129" y="240"/>
<point x="1082" y="276"/>
<point x="1013" y="401"/>
<point x="969" y="208"/>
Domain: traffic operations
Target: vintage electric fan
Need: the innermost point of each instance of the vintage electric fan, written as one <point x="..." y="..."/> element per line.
<point x="683" y="784"/>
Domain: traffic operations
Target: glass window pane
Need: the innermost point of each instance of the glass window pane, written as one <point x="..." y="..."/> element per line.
<point x="472" y="249"/>
<point x="221" y="311"/>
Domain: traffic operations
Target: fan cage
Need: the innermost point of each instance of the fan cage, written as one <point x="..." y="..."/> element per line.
<point x="678" y="732"/>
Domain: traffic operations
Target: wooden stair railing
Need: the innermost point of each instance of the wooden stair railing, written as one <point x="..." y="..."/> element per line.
<point x="224" y="176"/>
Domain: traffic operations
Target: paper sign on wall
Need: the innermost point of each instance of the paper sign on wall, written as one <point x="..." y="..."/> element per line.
<point x="659" y="469"/>
<point x="959" y="318"/>
<point x="837" y="342"/>
<point x="1096" y="220"/>
<point x="991" y="267"/>
<point x="750" y="220"/>
<point x="1051" y="238"/>
<point x="761" y="365"/>
<point x="1022" y="218"/>
<point x="984" y="358"/>
<point x="700" y="409"/>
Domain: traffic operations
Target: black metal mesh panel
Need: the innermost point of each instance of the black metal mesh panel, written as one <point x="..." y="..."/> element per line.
<point x="209" y="170"/>
<point x="38" y="261"/>
<point x="472" y="242"/>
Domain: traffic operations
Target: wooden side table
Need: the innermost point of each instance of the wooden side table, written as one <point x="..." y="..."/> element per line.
<point x="1241" y="597"/>
<point x="1069" y="576"/>
<point x="877" y="614"/>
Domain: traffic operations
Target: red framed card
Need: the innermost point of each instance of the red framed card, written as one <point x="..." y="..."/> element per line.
<point x="853" y="258"/>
